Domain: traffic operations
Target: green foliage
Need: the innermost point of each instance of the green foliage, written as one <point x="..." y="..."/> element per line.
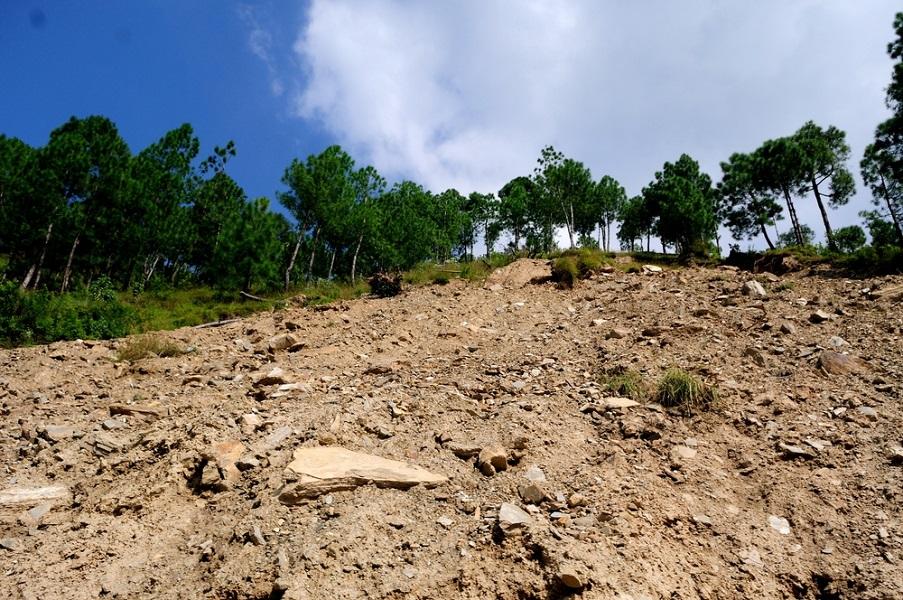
<point x="147" y="346"/>
<point x="682" y="198"/>
<point x="788" y="239"/>
<point x="680" y="389"/>
<point x="565" y="271"/>
<point x="42" y="317"/>
<point x="744" y="203"/>
<point x="849" y="239"/>
<point x="870" y="261"/>
<point x="627" y="383"/>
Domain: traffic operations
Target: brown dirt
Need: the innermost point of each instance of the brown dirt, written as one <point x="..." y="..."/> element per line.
<point x="787" y="488"/>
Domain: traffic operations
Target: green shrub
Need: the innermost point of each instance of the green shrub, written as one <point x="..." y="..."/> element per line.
<point x="144" y="346"/>
<point x="441" y="279"/>
<point x="41" y="317"/>
<point x="565" y="271"/>
<point x="868" y="261"/>
<point x="627" y="383"/>
<point x="385" y="285"/>
<point x="683" y="390"/>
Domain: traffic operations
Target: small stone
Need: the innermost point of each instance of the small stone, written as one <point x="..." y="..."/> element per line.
<point x="792" y="451"/>
<point x="617" y="333"/>
<point x="11" y="544"/>
<point x="702" y="519"/>
<point x="837" y="342"/>
<point x="283" y="341"/>
<point x="835" y="363"/>
<point x="868" y="412"/>
<point x="250" y="422"/>
<point x="788" y="328"/>
<point x="247" y="462"/>
<point x="512" y="517"/>
<point x="779" y="524"/>
<point x="275" y="376"/>
<point x="652" y="269"/>
<point x="681" y="453"/>
<point x="534" y="474"/>
<point x="754" y="288"/>
<point x="532" y="493"/>
<point x="111" y="424"/>
<point x="256" y="536"/>
<point x="819" y="316"/>
<point x="492" y="459"/>
<point x="619" y="403"/>
<point x="445" y="522"/>
<point x="569" y="575"/>
<point x="58" y="433"/>
<point x="576" y="500"/>
<point x="751" y="557"/>
<point x="895" y="454"/>
<point x="38" y="512"/>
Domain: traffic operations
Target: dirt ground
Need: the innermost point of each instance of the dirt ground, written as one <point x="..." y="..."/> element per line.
<point x="162" y="478"/>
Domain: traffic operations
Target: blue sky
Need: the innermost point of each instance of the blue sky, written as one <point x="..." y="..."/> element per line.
<point x="457" y="94"/>
<point x="151" y="66"/>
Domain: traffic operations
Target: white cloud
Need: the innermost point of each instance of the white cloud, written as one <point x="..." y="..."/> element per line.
<point x="260" y="42"/>
<point x="465" y="93"/>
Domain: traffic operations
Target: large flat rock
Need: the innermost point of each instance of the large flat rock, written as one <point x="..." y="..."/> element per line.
<point x="32" y="495"/>
<point x="326" y="469"/>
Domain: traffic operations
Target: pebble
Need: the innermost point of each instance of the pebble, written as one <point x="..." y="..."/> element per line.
<point x="779" y="524"/>
<point x="11" y="544"/>
<point x="532" y="493"/>
<point x="445" y="522"/>
<point x="788" y="328"/>
<point x="512" y="517"/>
<point x="754" y="288"/>
<point x="570" y="577"/>
<point x="492" y="459"/>
<point x="819" y="316"/>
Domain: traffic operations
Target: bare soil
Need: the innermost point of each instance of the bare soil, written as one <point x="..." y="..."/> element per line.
<point x="168" y="470"/>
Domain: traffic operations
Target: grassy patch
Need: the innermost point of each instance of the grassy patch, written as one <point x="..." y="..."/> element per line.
<point x="680" y="389"/>
<point x="565" y="271"/>
<point x="627" y="383"/>
<point x="171" y="309"/>
<point x="784" y="286"/>
<point x="145" y="346"/>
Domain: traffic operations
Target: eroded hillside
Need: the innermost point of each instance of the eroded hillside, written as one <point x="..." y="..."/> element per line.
<point x="168" y="478"/>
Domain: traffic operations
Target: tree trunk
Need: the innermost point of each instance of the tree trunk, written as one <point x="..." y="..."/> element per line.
<point x="893" y="214"/>
<point x="829" y="233"/>
<point x="331" y="264"/>
<point x="291" y="262"/>
<point x="765" y="233"/>
<point x="153" y="267"/>
<point x="357" y="249"/>
<point x="608" y="236"/>
<point x="68" y="272"/>
<point x="313" y="254"/>
<point x="35" y="270"/>
<point x="791" y="210"/>
<point x="648" y="243"/>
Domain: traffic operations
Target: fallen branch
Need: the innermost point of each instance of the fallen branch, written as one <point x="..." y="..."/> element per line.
<point x="216" y="323"/>
<point x="251" y="297"/>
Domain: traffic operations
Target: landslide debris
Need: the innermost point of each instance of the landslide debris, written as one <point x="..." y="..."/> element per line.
<point x="473" y="441"/>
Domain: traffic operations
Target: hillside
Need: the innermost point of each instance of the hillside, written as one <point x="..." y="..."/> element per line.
<point x="168" y="478"/>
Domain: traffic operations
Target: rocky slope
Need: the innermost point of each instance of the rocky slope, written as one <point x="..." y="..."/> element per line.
<point x="168" y="478"/>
